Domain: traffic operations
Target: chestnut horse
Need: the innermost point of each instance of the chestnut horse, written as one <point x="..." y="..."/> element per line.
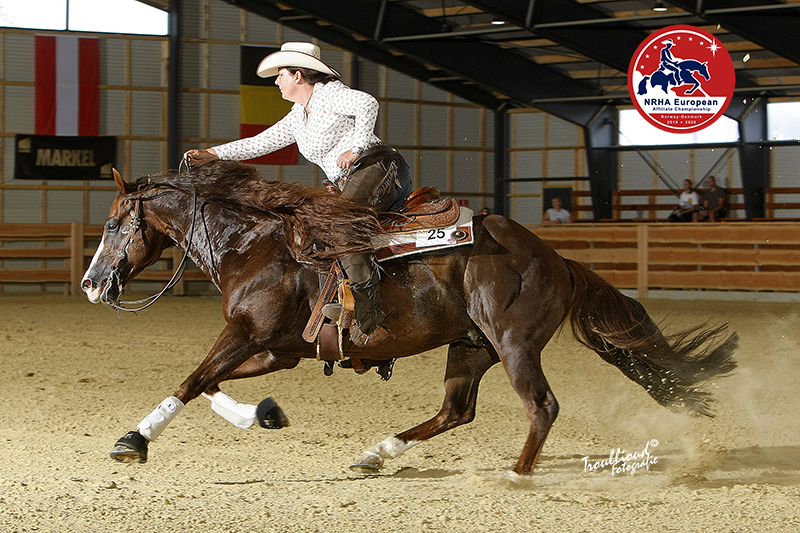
<point x="500" y="299"/>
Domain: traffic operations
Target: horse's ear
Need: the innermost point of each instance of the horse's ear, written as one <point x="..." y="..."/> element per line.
<point x="118" y="180"/>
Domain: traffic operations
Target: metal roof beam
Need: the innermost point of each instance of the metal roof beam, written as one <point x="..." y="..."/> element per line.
<point x="486" y="69"/>
<point x="342" y="39"/>
<point x="574" y="25"/>
<point x="769" y="24"/>
<point x="163" y="5"/>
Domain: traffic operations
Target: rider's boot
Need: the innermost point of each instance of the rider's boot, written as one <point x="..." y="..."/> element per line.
<point x="364" y="284"/>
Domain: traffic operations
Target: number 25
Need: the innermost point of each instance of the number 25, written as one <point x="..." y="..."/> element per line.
<point x="435" y="234"/>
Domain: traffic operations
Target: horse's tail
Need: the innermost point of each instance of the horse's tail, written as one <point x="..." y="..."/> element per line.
<point x="619" y="329"/>
<point x="643" y="86"/>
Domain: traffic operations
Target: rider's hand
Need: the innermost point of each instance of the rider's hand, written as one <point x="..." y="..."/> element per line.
<point x="347" y="159"/>
<point x="196" y="158"/>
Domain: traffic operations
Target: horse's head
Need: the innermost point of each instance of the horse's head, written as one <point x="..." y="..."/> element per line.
<point x="703" y="70"/>
<point x="129" y="245"/>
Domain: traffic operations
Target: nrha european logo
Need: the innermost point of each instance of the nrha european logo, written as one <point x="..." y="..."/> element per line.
<point x="681" y="79"/>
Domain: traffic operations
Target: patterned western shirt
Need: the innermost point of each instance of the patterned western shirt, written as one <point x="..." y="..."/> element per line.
<point x="340" y="119"/>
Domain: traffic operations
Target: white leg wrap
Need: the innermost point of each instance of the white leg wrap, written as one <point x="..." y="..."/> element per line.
<point x="154" y="423"/>
<point x="241" y="415"/>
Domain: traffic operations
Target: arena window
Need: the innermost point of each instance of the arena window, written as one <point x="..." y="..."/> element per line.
<point x="105" y="16"/>
<point x="783" y="121"/>
<point x="636" y="131"/>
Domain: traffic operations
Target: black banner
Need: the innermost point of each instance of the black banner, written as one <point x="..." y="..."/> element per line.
<point x="55" y="157"/>
<point x="250" y="57"/>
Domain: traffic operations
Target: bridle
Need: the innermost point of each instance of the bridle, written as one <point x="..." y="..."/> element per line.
<point x="122" y="255"/>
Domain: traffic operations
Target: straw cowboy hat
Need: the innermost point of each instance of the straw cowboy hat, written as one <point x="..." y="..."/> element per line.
<point x="298" y="55"/>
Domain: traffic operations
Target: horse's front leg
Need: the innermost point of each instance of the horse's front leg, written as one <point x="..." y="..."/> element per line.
<point x="466" y="365"/>
<point x="233" y="347"/>
<point x="691" y="80"/>
<point x="243" y="415"/>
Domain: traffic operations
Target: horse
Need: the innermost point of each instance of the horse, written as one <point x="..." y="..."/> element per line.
<point x="685" y="75"/>
<point x="497" y="300"/>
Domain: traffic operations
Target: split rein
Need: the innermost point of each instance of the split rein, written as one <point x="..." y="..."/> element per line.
<point x="122" y="255"/>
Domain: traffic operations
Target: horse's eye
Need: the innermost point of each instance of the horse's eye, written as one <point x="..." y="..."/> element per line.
<point x="111" y="226"/>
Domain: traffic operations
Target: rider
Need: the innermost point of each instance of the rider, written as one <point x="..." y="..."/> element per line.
<point x="333" y="126"/>
<point x="668" y="61"/>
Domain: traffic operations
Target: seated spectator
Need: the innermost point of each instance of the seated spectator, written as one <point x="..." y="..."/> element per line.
<point x="556" y="214"/>
<point x="687" y="204"/>
<point x="713" y="203"/>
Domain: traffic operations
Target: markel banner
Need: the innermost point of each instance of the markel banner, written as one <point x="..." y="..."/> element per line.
<point x="54" y="157"/>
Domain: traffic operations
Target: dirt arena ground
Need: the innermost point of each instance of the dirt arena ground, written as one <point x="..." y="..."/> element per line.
<point x="76" y="377"/>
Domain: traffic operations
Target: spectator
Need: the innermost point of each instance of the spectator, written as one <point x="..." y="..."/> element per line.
<point x="714" y="203"/>
<point x="556" y="214"/>
<point x="687" y="204"/>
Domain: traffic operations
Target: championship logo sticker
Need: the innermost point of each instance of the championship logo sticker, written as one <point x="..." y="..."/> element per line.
<point x="681" y="79"/>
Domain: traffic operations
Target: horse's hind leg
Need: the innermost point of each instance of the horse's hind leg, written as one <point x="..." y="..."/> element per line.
<point x="530" y="384"/>
<point x="466" y="365"/>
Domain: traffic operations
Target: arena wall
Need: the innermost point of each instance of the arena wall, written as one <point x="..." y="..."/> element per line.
<point x="448" y="141"/>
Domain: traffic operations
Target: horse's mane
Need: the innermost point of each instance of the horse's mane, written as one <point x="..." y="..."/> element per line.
<point x="319" y="225"/>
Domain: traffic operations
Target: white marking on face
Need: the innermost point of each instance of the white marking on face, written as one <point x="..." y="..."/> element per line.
<point x="93" y="293"/>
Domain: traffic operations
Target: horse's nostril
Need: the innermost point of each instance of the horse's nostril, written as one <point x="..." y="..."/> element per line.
<point x="87" y="284"/>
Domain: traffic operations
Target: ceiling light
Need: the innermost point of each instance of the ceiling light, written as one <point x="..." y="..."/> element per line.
<point x="498" y="22"/>
<point x="659" y="6"/>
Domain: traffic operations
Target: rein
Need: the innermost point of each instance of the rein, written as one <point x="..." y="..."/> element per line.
<point x="122" y="255"/>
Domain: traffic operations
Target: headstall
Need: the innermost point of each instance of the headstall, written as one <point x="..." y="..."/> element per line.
<point x="122" y="255"/>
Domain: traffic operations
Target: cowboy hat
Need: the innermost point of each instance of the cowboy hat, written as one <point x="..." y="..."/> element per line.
<point x="298" y="55"/>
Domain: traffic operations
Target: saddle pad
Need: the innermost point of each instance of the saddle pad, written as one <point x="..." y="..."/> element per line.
<point x="435" y="214"/>
<point x="393" y="245"/>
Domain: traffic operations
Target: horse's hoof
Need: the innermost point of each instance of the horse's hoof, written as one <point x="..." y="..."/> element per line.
<point x="270" y="415"/>
<point x="368" y="463"/>
<point x="132" y="448"/>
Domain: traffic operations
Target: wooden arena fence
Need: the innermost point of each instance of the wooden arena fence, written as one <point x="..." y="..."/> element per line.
<point x="656" y="204"/>
<point x="46" y="254"/>
<point x="758" y="256"/>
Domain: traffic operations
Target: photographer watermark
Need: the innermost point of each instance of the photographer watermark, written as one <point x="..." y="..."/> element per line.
<point x="624" y="463"/>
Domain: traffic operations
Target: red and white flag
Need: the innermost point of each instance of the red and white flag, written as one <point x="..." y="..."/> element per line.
<point x="67" y="85"/>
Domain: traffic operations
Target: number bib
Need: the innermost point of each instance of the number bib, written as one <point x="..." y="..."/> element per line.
<point x="436" y="237"/>
<point x="393" y="245"/>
